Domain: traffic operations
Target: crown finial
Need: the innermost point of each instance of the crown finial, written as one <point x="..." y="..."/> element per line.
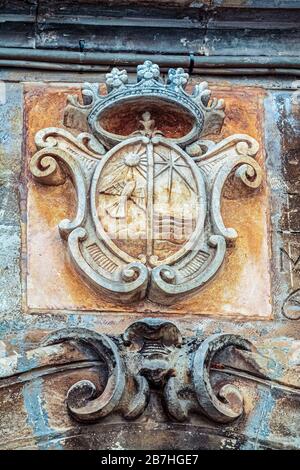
<point x="116" y="78"/>
<point x="148" y="71"/>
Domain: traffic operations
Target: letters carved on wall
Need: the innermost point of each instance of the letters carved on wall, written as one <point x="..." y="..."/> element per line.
<point x="149" y="221"/>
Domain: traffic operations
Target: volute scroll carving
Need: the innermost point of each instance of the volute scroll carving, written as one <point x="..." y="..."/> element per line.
<point x="149" y="186"/>
<point x="153" y="357"/>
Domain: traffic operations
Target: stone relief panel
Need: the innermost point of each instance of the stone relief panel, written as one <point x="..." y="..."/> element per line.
<point x="131" y="196"/>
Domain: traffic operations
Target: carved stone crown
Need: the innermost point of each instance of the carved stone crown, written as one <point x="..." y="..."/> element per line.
<point x="201" y="113"/>
<point x="149" y="222"/>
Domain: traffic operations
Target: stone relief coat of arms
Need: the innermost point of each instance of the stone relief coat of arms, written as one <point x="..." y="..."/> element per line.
<point x="149" y="185"/>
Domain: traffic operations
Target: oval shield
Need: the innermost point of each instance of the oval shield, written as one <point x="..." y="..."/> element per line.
<point x="148" y="201"/>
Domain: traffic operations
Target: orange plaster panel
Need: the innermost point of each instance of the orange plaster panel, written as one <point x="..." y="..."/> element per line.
<point x="241" y="289"/>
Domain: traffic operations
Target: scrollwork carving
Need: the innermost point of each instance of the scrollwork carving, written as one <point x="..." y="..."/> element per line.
<point x="152" y="357"/>
<point x="134" y="275"/>
<point x="93" y="407"/>
<point x="232" y="155"/>
<point x="231" y="406"/>
<point x="249" y="172"/>
<point x="50" y="166"/>
<point x="165" y="280"/>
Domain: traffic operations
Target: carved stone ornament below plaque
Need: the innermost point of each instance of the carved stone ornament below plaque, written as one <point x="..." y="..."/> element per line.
<point x="152" y="358"/>
<point x="149" y="189"/>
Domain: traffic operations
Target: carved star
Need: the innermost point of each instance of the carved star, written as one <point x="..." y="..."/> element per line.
<point x="170" y="163"/>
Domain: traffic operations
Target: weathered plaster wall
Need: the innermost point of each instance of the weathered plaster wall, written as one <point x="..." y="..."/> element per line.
<point x="41" y="420"/>
<point x="226" y="42"/>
